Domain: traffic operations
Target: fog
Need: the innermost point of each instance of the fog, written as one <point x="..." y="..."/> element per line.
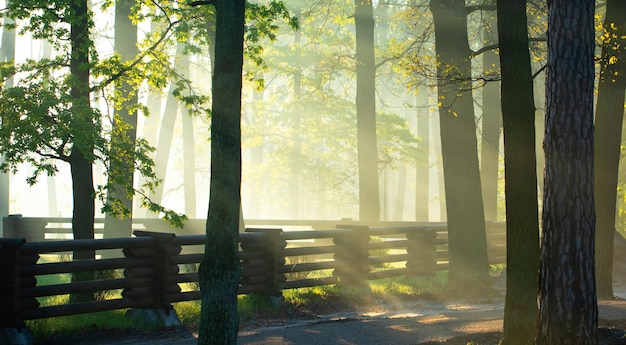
<point x="299" y="131"/>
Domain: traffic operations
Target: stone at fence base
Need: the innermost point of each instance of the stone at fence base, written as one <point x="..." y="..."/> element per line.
<point x="277" y="301"/>
<point x="153" y="318"/>
<point x="15" y="336"/>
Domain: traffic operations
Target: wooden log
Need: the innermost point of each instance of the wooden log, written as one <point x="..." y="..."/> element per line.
<point x="188" y="259"/>
<point x="77" y="287"/>
<point x="301" y="251"/>
<point x="191" y="277"/>
<point x="376" y="260"/>
<point x="82" y="266"/>
<point x="139" y="272"/>
<point x="140" y="252"/>
<point x="307" y="266"/>
<point x="247" y="255"/>
<point x="252" y="271"/>
<point x="395" y="244"/>
<point x="396" y="272"/>
<point x="254" y="263"/>
<point x="185" y="296"/>
<point x="29" y="304"/>
<point x="84" y="307"/>
<point x="311" y="282"/>
<point x="74" y="245"/>
<point x="248" y="289"/>
<point x="138" y="292"/>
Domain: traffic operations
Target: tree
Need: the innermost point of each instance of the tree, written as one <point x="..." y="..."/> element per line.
<point x="491" y="123"/>
<point x="7" y="54"/>
<point x="219" y="270"/>
<point x="466" y="224"/>
<point x="522" y="221"/>
<point x="567" y="289"/>
<point x="124" y="129"/>
<point x="83" y="118"/>
<point x="608" y="137"/>
<point x="369" y="198"/>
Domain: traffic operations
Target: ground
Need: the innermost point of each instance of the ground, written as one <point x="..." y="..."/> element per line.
<point x="337" y="316"/>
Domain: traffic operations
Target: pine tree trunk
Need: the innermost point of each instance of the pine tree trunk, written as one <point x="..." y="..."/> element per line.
<point x="219" y="270"/>
<point x="518" y="112"/>
<point x="568" y="311"/>
<point x="466" y="224"/>
<point x="608" y="137"/>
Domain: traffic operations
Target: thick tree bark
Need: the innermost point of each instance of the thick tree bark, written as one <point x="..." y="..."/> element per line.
<point x="608" y="137"/>
<point x="466" y="224"/>
<point x="369" y="197"/>
<point x="568" y="311"/>
<point x="125" y="36"/>
<point x="522" y="220"/>
<point x="219" y="270"/>
<point x="80" y="159"/>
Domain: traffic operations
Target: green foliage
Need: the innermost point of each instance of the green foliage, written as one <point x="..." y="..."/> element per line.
<point x="40" y="122"/>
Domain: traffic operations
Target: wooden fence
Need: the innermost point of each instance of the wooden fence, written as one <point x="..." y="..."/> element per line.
<point x="271" y="260"/>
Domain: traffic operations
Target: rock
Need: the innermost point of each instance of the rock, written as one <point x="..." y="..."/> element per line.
<point x="153" y="318"/>
<point x="15" y="336"/>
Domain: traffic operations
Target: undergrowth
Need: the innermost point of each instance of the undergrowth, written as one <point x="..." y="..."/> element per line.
<point x="396" y="290"/>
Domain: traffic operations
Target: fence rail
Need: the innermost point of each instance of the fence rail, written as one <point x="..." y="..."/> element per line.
<point x="155" y="265"/>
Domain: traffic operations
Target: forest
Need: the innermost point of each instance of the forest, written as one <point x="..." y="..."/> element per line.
<point x="375" y="111"/>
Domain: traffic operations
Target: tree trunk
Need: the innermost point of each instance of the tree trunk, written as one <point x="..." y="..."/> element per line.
<point x="522" y="221"/>
<point x="568" y="311"/>
<point x="491" y="126"/>
<point x="189" y="156"/>
<point x="166" y="133"/>
<point x="466" y="224"/>
<point x="7" y="53"/>
<point x="398" y="209"/>
<point x="150" y="130"/>
<point x="219" y="270"/>
<point x="80" y="158"/>
<point x="121" y="166"/>
<point x="422" y="166"/>
<point x="369" y="197"/>
<point x="608" y="137"/>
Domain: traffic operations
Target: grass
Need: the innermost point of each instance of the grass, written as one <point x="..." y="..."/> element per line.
<point x="249" y="306"/>
<point x="389" y="290"/>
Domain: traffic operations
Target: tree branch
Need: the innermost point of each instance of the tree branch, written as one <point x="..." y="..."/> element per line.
<point x="201" y="2"/>
<point x="496" y="46"/>
<point x="137" y="60"/>
<point x="470" y="9"/>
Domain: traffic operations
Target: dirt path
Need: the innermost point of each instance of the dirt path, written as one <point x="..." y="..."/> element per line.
<point x="417" y="323"/>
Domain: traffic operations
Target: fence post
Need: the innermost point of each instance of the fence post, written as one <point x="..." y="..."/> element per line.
<point x="421" y="252"/>
<point x="158" y="312"/>
<point x="351" y="257"/>
<point x="13" y="330"/>
<point x="30" y="229"/>
<point x="272" y="245"/>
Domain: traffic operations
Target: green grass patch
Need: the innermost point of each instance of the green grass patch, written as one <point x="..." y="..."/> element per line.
<point x="61" y="325"/>
<point x="315" y="299"/>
